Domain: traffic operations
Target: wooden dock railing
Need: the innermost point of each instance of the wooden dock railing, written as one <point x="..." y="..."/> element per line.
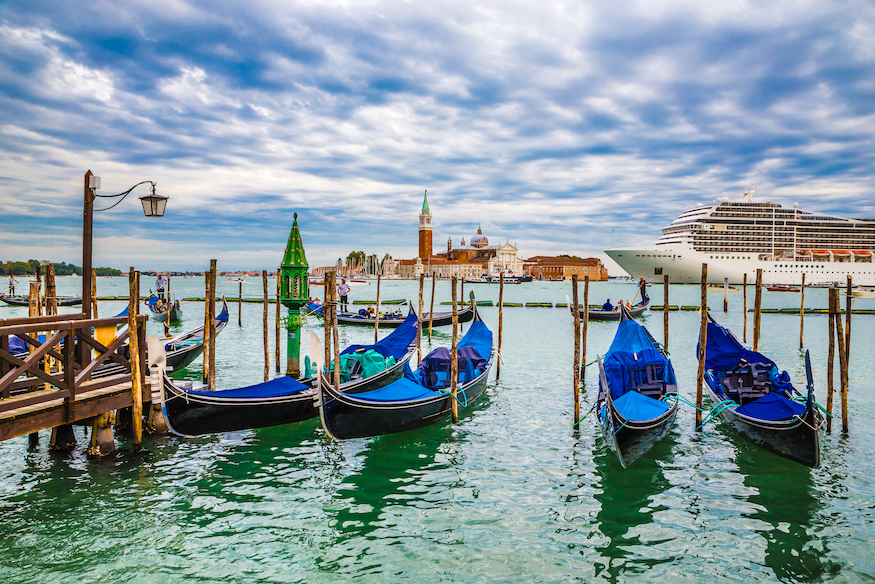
<point x="57" y="381"/>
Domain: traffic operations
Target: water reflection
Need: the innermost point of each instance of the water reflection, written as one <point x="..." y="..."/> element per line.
<point x="625" y="497"/>
<point x="787" y="501"/>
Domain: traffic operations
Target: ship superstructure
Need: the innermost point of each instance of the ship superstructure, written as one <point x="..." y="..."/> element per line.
<point x="736" y="237"/>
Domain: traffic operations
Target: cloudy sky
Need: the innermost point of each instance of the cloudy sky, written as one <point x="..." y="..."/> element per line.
<point x="558" y="125"/>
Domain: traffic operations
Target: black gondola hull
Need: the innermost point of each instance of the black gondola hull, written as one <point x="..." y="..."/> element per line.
<point x="345" y="417"/>
<point x="797" y="439"/>
<point x="631" y="439"/>
<point x="635" y="311"/>
<point x="23" y="301"/>
<point x="190" y="415"/>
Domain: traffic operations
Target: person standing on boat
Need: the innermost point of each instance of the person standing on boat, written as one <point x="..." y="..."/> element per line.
<point x="160" y="283"/>
<point x="342" y="291"/>
<point x="12" y="283"/>
<point x="642" y="287"/>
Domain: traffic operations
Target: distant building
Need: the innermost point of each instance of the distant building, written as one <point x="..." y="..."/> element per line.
<point x="476" y="259"/>
<point x="564" y="267"/>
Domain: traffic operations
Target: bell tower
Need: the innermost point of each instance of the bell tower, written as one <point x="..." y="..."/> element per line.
<point x="425" y="248"/>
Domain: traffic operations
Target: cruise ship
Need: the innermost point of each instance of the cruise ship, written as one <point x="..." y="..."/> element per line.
<point x="737" y="237"/>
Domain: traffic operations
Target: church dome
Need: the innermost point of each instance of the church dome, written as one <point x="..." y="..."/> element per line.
<point x="479" y="240"/>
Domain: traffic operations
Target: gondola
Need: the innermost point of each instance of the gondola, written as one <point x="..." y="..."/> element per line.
<point x="283" y="400"/>
<point x="181" y="350"/>
<point x="418" y="399"/>
<point x="758" y="402"/>
<point x="23" y="300"/>
<point x="392" y="320"/>
<point x="174" y="313"/>
<point x="635" y="311"/>
<point x="635" y="405"/>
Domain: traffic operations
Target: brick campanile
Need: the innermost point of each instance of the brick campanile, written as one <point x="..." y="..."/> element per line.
<point x="425" y="248"/>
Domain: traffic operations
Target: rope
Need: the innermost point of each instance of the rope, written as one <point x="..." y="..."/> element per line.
<point x="591" y="410"/>
<point x="683" y="399"/>
<point x="588" y="364"/>
<point x="715" y="411"/>
<point x="450" y="393"/>
<point x="621" y="427"/>
<point x="804" y="399"/>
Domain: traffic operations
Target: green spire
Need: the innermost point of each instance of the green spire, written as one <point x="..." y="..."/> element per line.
<point x="294" y="256"/>
<point x="425" y="202"/>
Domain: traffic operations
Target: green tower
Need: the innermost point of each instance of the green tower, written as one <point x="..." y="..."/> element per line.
<point x="294" y="294"/>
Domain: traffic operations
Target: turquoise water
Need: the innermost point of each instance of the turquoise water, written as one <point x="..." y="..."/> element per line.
<point x="510" y="494"/>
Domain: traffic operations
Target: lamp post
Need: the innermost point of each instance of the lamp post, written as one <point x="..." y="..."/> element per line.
<point x="153" y="206"/>
<point x="294" y="292"/>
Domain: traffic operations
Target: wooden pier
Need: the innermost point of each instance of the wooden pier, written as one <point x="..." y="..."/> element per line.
<point x="58" y="381"/>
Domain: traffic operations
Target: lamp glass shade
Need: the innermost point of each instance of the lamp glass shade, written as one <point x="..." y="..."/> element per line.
<point x="153" y="205"/>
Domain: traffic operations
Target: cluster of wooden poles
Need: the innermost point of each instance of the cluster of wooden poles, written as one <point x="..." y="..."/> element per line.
<point x="839" y="338"/>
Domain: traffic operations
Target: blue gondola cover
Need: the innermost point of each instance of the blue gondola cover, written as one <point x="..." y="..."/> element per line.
<point x="772" y="407"/>
<point x="723" y="351"/>
<point x="628" y="357"/>
<point x="395" y="344"/>
<point x="279" y="387"/>
<point x="634" y="406"/>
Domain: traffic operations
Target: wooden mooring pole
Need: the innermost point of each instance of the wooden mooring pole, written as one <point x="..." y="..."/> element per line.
<point x="377" y="313"/>
<point x="210" y="328"/>
<point x="703" y="341"/>
<point x="830" y="361"/>
<point x="841" y="342"/>
<point x="802" y="311"/>
<point x="575" y="384"/>
<point x="419" y="319"/>
<point x="848" y="299"/>
<point x="585" y="328"/>
<point x="265" y="329"/>
<point x="757" y="308"/>
<point x="34" y="302"/>
<point x="335" y="333"/>
<point x="327" y="307"/>
<point x="454" y="363"/>
<point x="665" y="311"/>
<point x="276" y="326"/>
<point x="94" y="293"/>
<point x="500" y="322"/>
<point x="240" y="304"/>
<point x="134" y="346"/>
<point x="431" y="310"/>
<point x="744" y="288"/>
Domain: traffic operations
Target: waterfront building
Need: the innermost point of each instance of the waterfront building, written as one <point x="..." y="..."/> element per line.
<point x="564" y="267"/>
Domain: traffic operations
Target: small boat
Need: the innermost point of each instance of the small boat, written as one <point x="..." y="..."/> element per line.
<point x="236" y="281"/>
<point x="822" y="285"/>
<point x="476" y="281"/>
<point x="719" y="288"/>
<point x="635" y="311"/>
<point x="285" y="400"/>
<point x="637" y="403"/>
<point x="162" y="313"/>
<point x="394" y="319"/>
<point x="23" y="300"/>
<point x="507" y="280"/>
<point x="860" y="292"/>
<point x="758" y="402"/>
<point x="418" y="399"/>
<point x="783" y="288"/>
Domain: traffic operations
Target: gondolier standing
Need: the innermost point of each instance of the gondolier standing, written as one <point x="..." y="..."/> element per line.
<point x="342" y="291"/>
<point x="160" y="283"/>
<point x="12" y="283"/>
<point x="642" y="287"/>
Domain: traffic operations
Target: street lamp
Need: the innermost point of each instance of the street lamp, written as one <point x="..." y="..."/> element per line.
<point x="153" y="206"/>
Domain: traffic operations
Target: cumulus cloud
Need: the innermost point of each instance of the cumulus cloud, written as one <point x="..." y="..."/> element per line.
<point x="557" y="125"/>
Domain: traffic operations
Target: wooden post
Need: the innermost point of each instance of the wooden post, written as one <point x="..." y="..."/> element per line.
<point x="87" y="229"/>
<point x="51" y="290"/>
<point x="848" y="298"/>
<point x="377" y="313"/>
<point x="240" y="304"/>
<point x="454" y="363"/>
<point x="585" y="330"/>
<point x="575" y="384"/>
<point x="830" y="360"/>
<point x="703" y="341"/>
<point x="802" y="310"/>
<point x="33" y="304"/>
<point x="419" y="319"/>
<point x="757" y="307"/>
<point x="94" y="293"/>
<point x="265" y="329"/>
<point x="336" y="335"/>
<point x="665" y="311"/>
<point x="327" y="307"/>
<point x="843" y="361"/>
<point x="744" y="288"/>
<point x="725" y="294"/>
<point x="210" y="328"/>
<point x="500" y="322"/>
<point x="134" y="350"/>
<point x="276" y="327"/>
<point x="431" y="315"/>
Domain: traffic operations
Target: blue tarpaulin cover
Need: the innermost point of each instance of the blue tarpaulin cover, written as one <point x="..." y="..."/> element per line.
<point x="279" y="387"/>
<point x="402" y="390"/>
<point x="314" y="308"/>
<point x="640" y="408"/>
<point x="223" y="316"/>
<point x="394" y="344"/>
<point x="723" y="351"/>
<point x="631" y="351"/>
<point x="772" y="407"/>
<point x="17" y="346"/>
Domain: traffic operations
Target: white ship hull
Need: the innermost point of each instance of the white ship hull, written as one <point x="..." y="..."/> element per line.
<point x="683" y="265"/>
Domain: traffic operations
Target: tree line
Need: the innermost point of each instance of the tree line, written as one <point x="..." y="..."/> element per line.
<point x="62" y="269"/>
